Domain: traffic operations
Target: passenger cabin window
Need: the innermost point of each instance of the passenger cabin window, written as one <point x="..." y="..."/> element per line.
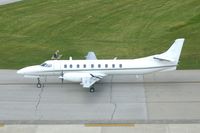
<point x="65" y="66"/>
<point x="78" y="65"/>
<point x="113" y="65"/>
<point x="99" y="65"/>
<point x="106" y="65"/>
<point x="92" y="65"/>
<point x="84" y="66"/>
<point x="71" y="66"/>
<point x="120" y="65"/>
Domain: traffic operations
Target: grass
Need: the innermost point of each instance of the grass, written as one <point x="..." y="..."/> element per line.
<point x="31" y="30"/>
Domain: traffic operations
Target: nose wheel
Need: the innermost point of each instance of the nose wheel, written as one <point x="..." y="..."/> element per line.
<point x="39" y="85"/>
<point x="92" y="89"/>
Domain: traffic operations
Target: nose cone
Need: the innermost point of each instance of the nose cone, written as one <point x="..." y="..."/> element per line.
<point x="21" y="71"/>
<point x="31" y="70"/>
<point x="26" y="70"/>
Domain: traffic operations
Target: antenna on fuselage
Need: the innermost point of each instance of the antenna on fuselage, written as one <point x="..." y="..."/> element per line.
<point x="70" y="58"/>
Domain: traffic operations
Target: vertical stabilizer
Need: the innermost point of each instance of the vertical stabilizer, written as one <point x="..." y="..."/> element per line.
<point x="173" y="53"/>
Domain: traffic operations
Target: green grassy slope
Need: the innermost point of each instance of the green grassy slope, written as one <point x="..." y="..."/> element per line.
<point x="31" y="30"/>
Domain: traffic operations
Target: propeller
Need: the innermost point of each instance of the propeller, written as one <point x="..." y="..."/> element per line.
<point x="61" y="77"/>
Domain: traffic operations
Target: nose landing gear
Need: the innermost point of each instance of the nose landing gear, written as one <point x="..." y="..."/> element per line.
<point x="39" y="85"/>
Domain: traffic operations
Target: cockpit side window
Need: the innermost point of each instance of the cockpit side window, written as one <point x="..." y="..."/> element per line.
<point x="43" y="64"/>
<point x="46" y="65"/>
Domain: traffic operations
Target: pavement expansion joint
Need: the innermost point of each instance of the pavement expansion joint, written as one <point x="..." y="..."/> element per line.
<point x="115" y="107"/>
<point x="146" y="102"/>
<point x="39" y="99"/>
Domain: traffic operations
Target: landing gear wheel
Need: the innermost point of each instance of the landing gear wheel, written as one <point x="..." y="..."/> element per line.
<point x="92" y="89"/>
<point x="39" y="85"/>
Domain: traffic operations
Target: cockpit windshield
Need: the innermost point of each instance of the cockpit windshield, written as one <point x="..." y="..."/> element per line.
<point x="46" y="65"/>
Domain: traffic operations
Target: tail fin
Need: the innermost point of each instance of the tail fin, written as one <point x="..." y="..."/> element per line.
<point x="173" y="53"/>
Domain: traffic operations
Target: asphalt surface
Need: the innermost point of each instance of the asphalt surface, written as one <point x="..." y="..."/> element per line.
<point x="172" y="97"/>
<point x="102" y="128"/>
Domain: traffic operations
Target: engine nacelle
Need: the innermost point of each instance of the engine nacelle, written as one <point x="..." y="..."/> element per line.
<point x="75" y="77"/>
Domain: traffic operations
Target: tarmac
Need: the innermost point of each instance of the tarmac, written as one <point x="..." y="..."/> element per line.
<point x="170" y="97"/>
<point x="141" y="128"/>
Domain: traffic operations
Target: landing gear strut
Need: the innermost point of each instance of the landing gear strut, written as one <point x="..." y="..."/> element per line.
<point x="92" y="89"/>
<point x="39" y="85"/>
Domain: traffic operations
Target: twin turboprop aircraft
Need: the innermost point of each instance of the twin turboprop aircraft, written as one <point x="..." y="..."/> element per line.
<point x="88" y="72"/>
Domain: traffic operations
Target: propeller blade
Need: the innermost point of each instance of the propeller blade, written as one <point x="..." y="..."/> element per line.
<point x="62" y="79"/>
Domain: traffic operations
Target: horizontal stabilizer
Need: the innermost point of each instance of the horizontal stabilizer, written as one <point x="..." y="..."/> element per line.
<point x="163" y="58"/>
<point x="91" y="56"/>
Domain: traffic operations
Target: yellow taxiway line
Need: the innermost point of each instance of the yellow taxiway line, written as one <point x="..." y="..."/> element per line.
<point x="1" y="125"/>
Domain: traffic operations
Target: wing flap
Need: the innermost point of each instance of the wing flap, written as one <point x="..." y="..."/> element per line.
<point x="87" y="82"/>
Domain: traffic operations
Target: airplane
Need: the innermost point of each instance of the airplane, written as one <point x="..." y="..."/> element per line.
<point x="88" y="72"/>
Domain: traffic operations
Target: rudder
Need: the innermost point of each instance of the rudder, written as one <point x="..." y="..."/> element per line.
<point x="173" y="53"/>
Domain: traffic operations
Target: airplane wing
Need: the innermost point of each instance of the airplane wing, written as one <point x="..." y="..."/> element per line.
<point x="87" y="82"/>
<point x="91" y="56"/>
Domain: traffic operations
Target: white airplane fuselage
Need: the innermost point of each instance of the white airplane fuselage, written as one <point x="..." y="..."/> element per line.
<point x="108" y="67"/>
<point x="90" y="71"/>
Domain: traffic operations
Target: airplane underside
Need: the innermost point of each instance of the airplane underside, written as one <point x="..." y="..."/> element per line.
<point x="133" y="71"/>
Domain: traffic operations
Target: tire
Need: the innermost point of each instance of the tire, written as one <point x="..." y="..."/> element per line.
<point x="39" y="85"/>
<point x="92" y="90"/>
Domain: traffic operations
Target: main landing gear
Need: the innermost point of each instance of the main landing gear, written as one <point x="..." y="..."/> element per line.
<point x="92" y="89"/>
<point x="39" y="85"/>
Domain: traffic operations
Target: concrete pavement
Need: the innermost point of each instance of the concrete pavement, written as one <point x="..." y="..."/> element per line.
<point x="172" y="97"/>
